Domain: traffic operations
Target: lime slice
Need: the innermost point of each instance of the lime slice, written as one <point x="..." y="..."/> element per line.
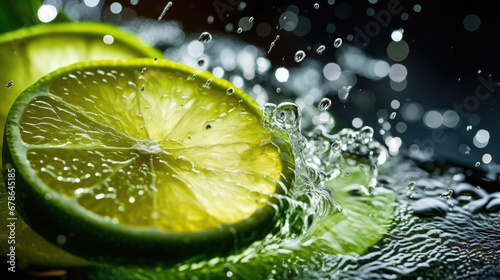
<point x="28" y="54"/>
<point x="116" y="165"/>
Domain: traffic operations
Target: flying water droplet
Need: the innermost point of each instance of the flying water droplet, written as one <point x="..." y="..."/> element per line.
<point x="169" y="4"/>
<point x="143" y="71"/>
<point x="230" y="91"/>
<point x="205" y="37"/>
<point x="201" y="62"/>
<point x="316" y="6"/>
<point x="207" y="84"/>
<point x="337" y="43"/>
<point x="156" y="58"/>
<point x="272" y="43"/>
<point x="9" y="84"/>
<point x="469" y="127"/>
<point x="250" y="19"/>
<point x="288" y="116"/>
<point x="142" y="87"/>
<point x="393" y="115"/>
<point x="299" y="56"/>
<point x="239" y="30"/>
<point x="478" y="187"/>
<point x="477" y="164"/>
<point x="324" y="104"/>
<point x="320" y="49"/>
<point x="411" y="185"/>
<point x="278" y="90"/>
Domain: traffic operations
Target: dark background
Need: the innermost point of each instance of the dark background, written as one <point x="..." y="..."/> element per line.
<point x="443" y="61"/>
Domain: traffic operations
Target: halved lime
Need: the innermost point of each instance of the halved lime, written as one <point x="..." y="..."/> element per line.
<point x="29" y="53"/>
<point x="141" y="159"/>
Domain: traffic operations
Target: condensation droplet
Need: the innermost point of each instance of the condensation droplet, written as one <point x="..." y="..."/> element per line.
<point x="320" y="49"/>
<point x="9" y="84"/>
<point x="230" y="91"/>
<point x="201" y="62"/>
<point x="316" y="6"/>
<point x="324" y="104"/>
<point x="337" y="43"/>
<point x="299" y="56"/>
<point x="205" y="37"/>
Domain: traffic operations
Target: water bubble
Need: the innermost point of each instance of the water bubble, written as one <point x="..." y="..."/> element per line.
<point x="230" y="91"/>
<point x="316" y="6"/>
<point x="366" y="132"/>
<point x="299" y="56"/>
<point x="142" y="87"/>
<point x="337" y="43"/>
<point x="320" y="49"/>
<point x="201" y="62"/>
<point x="336" y="144"/>
<point x="324" y="104"/>
<point x="288" y="116"/>
<point x="205" y="37"/>
<point x="469" y="127"/>
<point x="143" y="71"/>
<point x="9" y="84"/>
<point x="239" y="30"/>
<point x="169" y="4"/>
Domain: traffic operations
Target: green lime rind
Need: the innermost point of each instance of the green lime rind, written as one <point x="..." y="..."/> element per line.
<point x="91" y="237"/>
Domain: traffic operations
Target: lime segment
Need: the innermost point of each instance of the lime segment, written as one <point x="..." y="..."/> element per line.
<point x="125" y="159"/>
<point x="28" y="54"/>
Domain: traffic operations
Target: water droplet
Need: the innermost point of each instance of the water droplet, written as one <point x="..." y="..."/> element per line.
<point x="446" y="194"/>
<point x="156" y="58"/>
<point x="272" y="43"/>
<point x="411" y="185"/>
<point x="239" y="30"/>
<point x="169" y="4"/>
<point x="288" y="116"/>
<point x="299" y="56"/>
<point x="336" y="145"/>
<point x="477" y="164"/>
<point x="201" y="62"/>
<point x="278" y="90"/>
<point x="208" y="126"/>
<point x="142" y="87"/>
<point x="450" y="206"/>
<point x="469" y="127"/>
<point x="366" y="133"/>
<point x="324" y="104"/>
<point x="250" y="19"/>
<point x="9" y="84"/>
<point x="193" y="77"/>
<point x="205" y="37"/>
<point x="393" y="115"/>
<point x="320" y="49"/>
<point x="316" y="6"/>
<point x="478" y="187"/>
<point x="143" y="71"/>
<point x="207" y="84"/>
<point x="337" y="43"/>
<point x="347" y="173"/>
<point x="230" y="91"/>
